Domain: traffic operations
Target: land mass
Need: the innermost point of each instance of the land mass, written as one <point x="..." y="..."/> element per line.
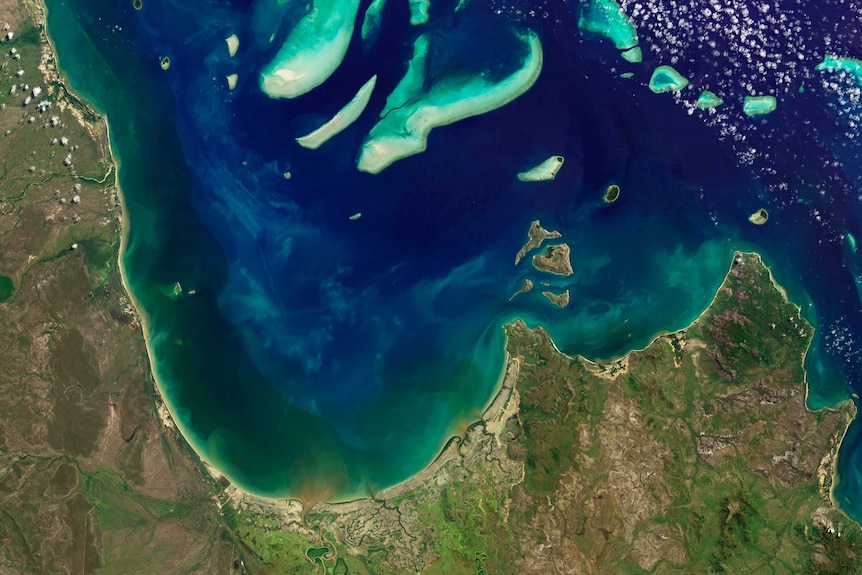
<point x="560" y="300"/>
<point x="555" y="260"/>
<point x="536" y="236"/>
<point x="525" y="287"/>
<point x="696" y="454"/>
<point x="90" y="479"/>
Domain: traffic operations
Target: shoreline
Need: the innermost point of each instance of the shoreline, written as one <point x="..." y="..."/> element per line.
<point x="164" y="410"/>
<point x="495" y="409"/>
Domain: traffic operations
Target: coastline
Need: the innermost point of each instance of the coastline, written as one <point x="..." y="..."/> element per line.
<point x="53" y="73"/>
<point x="495" y="409"/>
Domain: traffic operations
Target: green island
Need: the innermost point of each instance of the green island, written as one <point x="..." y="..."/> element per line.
<point x="556" y="259"/>
<point x="696" y="454"/>
<point x="612" y="194"/>
<point x="667" y="79"/>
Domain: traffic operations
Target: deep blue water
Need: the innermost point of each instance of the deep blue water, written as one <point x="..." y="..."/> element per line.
<point x="323" y="357"/>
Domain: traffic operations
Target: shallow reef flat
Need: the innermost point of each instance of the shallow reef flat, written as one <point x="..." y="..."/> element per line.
<point x="412" y="110"/>
<point x="312" y="51"/>
<point x="759" y="105"/>
<point x="667" y="79"/>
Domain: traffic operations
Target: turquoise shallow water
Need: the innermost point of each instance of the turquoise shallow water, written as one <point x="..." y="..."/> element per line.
<point x="324" y="357"/>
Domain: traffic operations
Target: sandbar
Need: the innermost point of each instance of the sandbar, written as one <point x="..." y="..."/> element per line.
<point x="314" y="49"/>
<point x="232" y="44"/>
<point x="342" y="120"/>
<point x="547" y="170"/>
<point x="231" y="81"/>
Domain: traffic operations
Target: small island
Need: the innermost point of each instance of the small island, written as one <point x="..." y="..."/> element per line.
<point x="759" y="217"/>
<point x="232" y="42"/>
<point x="555" y="260"/>
<point x="545" y="171"/>
<point x="537" y="235"/>
<point x="165" y="63"/>
<point x="560" y="300"/>
<point x="527" y="286"/>
<point x="612" y="193"/>
<point x="231" y="81"/>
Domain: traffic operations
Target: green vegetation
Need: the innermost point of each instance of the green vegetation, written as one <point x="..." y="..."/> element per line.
<point x="695" y="455"/>
<point x="7" y="288"/>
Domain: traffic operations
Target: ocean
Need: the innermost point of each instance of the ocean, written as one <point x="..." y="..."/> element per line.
<point x="315" y="356"/>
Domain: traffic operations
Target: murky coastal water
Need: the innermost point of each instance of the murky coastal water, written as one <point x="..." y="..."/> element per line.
<point x="310" y="354"/>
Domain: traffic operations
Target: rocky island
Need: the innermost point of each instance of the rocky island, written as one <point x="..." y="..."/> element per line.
<point x="560" y="300"/>
<point x="555" y="260"/>
<point x="536" y="236"/>
<point x="525" y="287"/>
